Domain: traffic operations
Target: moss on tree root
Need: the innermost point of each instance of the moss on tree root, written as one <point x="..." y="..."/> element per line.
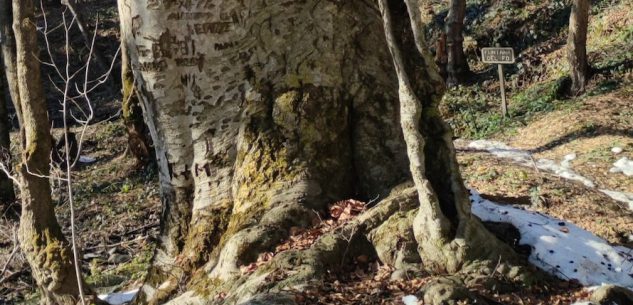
<point x="294" y="269"/>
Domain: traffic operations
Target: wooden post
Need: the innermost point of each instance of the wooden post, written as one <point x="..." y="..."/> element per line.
<point x="499" y="56"/>
<point x="502" y="83"/>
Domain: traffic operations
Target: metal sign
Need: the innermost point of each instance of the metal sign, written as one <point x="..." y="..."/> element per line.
<point x="497" y="55"/>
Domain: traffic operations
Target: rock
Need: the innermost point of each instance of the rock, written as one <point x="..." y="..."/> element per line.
<point x="612" y="295"/>
<point x="119" y="258"/>
<point x="449" y="291"/>
<point x="406" y="272"/>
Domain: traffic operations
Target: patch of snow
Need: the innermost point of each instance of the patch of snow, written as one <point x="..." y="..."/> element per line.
<point x="87" y="160"/>
<point x="624" y="165"/>
<point x="525" y="158"/>
<point x="562" y="170"/>
<point x="566" y="163"/>
<point x="118" y="298"/>
<point x="410" y="300"/>
<point x="562" y="248"/>
<point x="621" y="196"/>
<point x="616" y="150"/>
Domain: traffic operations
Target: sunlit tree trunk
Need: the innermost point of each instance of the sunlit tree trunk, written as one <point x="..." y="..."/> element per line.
<point x="577" y="45"/>
<point x="47" y="251"/>
<point x="262" y="113"/>
<point x="457" y="65"/>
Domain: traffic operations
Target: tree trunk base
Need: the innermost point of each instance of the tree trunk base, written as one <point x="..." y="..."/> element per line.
<point x="287" y="273"/>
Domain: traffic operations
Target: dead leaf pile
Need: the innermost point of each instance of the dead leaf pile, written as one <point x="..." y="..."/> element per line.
<point x="301" y="239"/>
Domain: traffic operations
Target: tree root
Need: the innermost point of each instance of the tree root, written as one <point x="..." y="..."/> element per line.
<point x="370" y="233"/>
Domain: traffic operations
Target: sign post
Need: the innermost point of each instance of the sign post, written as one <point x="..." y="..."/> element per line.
<point x="499" y="56"/>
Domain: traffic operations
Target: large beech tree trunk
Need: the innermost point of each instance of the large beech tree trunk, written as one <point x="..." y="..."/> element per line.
<point x="47" y="251"/>
<point x="262" y="113"/>
<point x="577" y="45"/>
<point x="457" y="66"/>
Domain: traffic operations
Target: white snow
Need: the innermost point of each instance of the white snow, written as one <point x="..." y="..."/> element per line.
<point x="563" y="169"/>
<point x="562" y="248"/>
<point x="523" y="157"/>
<point x="624" y="165"/>
<point x="87" y="159"/>
<point x="410" y="300"/>
<point x="621" y="196"/>
<point x="616" y="150"/>
<point x="566" y="163"/>
<point x="118" y="298"/>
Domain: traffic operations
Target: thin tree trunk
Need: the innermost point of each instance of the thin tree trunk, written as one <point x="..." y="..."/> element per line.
<point x="7" y="44"/>
<point x="457" y="66"/>
<point x="46" y="249"/>
<point x="139" y="142"/>
<point x="577" y="45"/>
<point x="7" y="195"/>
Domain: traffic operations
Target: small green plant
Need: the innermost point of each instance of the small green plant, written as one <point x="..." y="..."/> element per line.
<point x="475" y="114"/>
<point x="126" y="187"/>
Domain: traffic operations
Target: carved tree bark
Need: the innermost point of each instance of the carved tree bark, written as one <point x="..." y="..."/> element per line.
<point x="263" y="112"/>
<point x="457" y="65"/>
<point x="577" y="45"/>
<point x="47" y="251"/>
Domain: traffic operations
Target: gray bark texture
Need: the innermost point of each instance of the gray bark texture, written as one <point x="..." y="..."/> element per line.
<point x="263" y="112"/>
<point x="577" y="45"/>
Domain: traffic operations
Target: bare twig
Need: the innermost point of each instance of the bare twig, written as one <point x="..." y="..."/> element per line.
<point x="5" y="170"/>
<point x="75" y="88"/>
<point x="84" y="32"/>
<point x="125" y="242"/>
<point x="16" y="247"/>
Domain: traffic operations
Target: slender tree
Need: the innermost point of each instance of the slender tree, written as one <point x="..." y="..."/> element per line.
<point x="139" y="143"/>
<point x="456" y="66"/>
<point x="263" y="112"/>
<point x="7" y="195"/>
<point x="7" y="46"/>
<point x="577" y="45"/>
<point x="45" y="247"/>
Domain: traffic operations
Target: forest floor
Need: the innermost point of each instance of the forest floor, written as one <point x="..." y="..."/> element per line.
<point x="118" y="205"/>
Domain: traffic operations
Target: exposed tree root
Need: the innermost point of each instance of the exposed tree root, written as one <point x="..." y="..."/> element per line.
<point x="371" y="233"/>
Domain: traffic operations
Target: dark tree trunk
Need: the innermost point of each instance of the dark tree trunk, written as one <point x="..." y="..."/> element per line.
<point x="139" y="143"/>
<point x="577" y="46"/>
<point x="457" y="66"/>
<point x="7" y="47"/>
<point x="7" y="195"/>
